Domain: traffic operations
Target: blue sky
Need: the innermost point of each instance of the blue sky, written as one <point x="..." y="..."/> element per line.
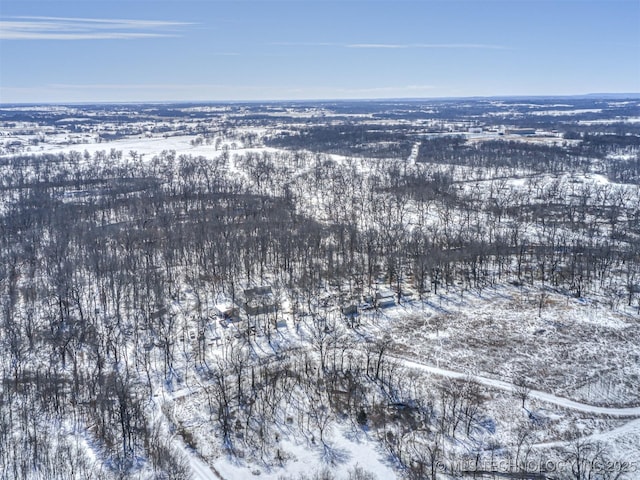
<point x="190" y="50"/>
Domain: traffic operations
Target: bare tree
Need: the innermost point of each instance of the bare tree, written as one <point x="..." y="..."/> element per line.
<point x="521" y="389"/>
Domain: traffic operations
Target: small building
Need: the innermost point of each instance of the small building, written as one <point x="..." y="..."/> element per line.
<point x="227" y="311"/>
<point x="521" y="131"/>
<point x="385" y="298"/>
<point x="349" y="309"/>
<point x="162" y="311"/>
<point x="259" y="300"/>
<point x="408" y="296"/>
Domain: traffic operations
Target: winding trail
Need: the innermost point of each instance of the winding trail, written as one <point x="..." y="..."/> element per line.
<point x="199" y="469"/>
<point x="630" y="428"/>
<point x="202" y="471"/>
<point x="537" y="394"/>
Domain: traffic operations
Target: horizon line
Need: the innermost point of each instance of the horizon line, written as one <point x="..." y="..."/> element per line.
<point x="622" y="95"/>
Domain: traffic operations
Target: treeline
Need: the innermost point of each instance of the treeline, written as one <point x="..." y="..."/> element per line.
<point x="360" y="140"/>
<point x="618" y="155"/>
<point x="501" y="155"/>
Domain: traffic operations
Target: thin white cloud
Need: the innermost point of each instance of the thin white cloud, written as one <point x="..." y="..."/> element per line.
<point x="192" y="86"/>
<point x="66" y="28"/>
<point x="134" y="86"/>
<point x="116" y="21"/>
<point x="381" y="90"/>
<point x="307" y="44"/>
<point x="392" y="46"/>
<point x="427" y="45"/>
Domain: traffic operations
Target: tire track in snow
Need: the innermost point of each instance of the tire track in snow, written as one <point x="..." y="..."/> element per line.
<point x="631" y="427"/>
<point x="202" y="471"/>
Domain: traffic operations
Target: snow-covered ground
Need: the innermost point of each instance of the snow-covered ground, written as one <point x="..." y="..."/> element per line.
<point x="578" y="356"/>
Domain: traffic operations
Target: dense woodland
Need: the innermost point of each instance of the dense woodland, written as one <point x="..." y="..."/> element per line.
<point x="107" y="263"/>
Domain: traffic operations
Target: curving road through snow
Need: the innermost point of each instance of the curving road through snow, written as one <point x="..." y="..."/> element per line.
<point x="537" y="394"/>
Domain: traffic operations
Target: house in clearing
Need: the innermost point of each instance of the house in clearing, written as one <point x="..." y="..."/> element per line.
<point x="349" y="309"/>
<point x="260" y="300"/>
<point x="227" y="311"/>
<point x="351" y="312"/>
<point x="385" y="298"/>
